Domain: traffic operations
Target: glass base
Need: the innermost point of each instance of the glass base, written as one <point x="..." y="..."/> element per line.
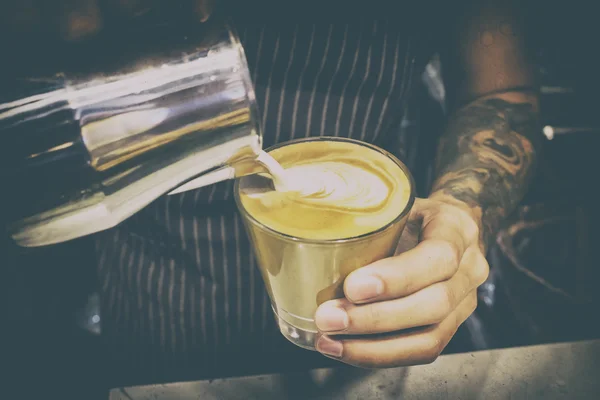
<point x="300" y="337"/>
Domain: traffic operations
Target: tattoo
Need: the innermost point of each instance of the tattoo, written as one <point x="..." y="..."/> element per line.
<point x="487" y="158"/>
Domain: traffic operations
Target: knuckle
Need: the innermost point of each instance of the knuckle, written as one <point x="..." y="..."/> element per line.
<point x="444" y="252"/>
<point x="462" y="220"/>
<point x="481" y="271"/>
<point x="451" y="215"/>
<point x="430" y="359"/>
<point x="432" y="349"/>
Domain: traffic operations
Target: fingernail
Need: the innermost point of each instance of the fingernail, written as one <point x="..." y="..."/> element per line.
<point x="330" y="319"/>
<point x="330" y="347"/>
<point x="363" y="287"/>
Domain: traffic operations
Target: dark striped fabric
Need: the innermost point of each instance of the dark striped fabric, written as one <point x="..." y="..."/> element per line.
<point x="181" y="294"/>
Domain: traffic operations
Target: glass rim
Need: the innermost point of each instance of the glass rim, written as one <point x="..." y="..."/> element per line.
<point x="292" y="238"/>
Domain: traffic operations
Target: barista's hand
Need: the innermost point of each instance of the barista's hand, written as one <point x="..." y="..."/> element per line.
<point x="78" y="19"/>
<point x="407" y="308"/>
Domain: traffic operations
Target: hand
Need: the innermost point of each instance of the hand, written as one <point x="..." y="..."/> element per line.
<point x="407" y="308"/>
<point x="79" y="19"/>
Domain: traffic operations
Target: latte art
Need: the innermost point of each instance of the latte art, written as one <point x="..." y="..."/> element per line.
<point x="337" y="185"/>
<point x="327" y="190"/>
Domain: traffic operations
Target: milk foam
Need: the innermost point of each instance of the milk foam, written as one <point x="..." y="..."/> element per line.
<point x="276" y="171"/>
<point x="326" y="190"/>
<point x="337" y="184"/>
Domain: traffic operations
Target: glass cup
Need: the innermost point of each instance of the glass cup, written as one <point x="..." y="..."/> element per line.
<point x="301" y="274"/>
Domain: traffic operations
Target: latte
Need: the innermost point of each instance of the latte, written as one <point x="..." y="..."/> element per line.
<point x="328" y="190"/>
<point x="319" y="191"/>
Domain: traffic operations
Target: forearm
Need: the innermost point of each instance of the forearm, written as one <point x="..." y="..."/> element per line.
<point x="487" y="157"/>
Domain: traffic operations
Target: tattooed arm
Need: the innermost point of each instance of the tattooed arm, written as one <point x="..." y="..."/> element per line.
<point x="488" y="153"/>
<point x="486" y="158"/>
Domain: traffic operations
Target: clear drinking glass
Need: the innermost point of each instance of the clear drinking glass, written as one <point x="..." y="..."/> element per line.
<point x="300" y="274"/>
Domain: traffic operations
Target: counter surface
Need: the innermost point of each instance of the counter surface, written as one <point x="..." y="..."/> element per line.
<point x="556" y="371"/>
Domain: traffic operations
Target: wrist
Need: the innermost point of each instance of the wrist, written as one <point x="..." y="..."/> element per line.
<point x="473" y="210"/>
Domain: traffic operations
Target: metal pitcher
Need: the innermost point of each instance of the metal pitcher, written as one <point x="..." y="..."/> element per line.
<point x="82" y="151"/>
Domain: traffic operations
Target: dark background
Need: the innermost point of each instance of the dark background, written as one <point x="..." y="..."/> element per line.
<point x="543" y="286"/>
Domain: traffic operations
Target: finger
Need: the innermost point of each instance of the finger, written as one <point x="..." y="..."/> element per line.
<point x="430" y="262"/>
<point x="447" y="233"/>
<point x="477" y="266"/>
<point x="400" y="349"/>
<point x="425" y="307"/>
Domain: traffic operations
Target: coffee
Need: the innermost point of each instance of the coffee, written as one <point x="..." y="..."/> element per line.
<point x="332" y="190"/>
<point x="336" y="205"/>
